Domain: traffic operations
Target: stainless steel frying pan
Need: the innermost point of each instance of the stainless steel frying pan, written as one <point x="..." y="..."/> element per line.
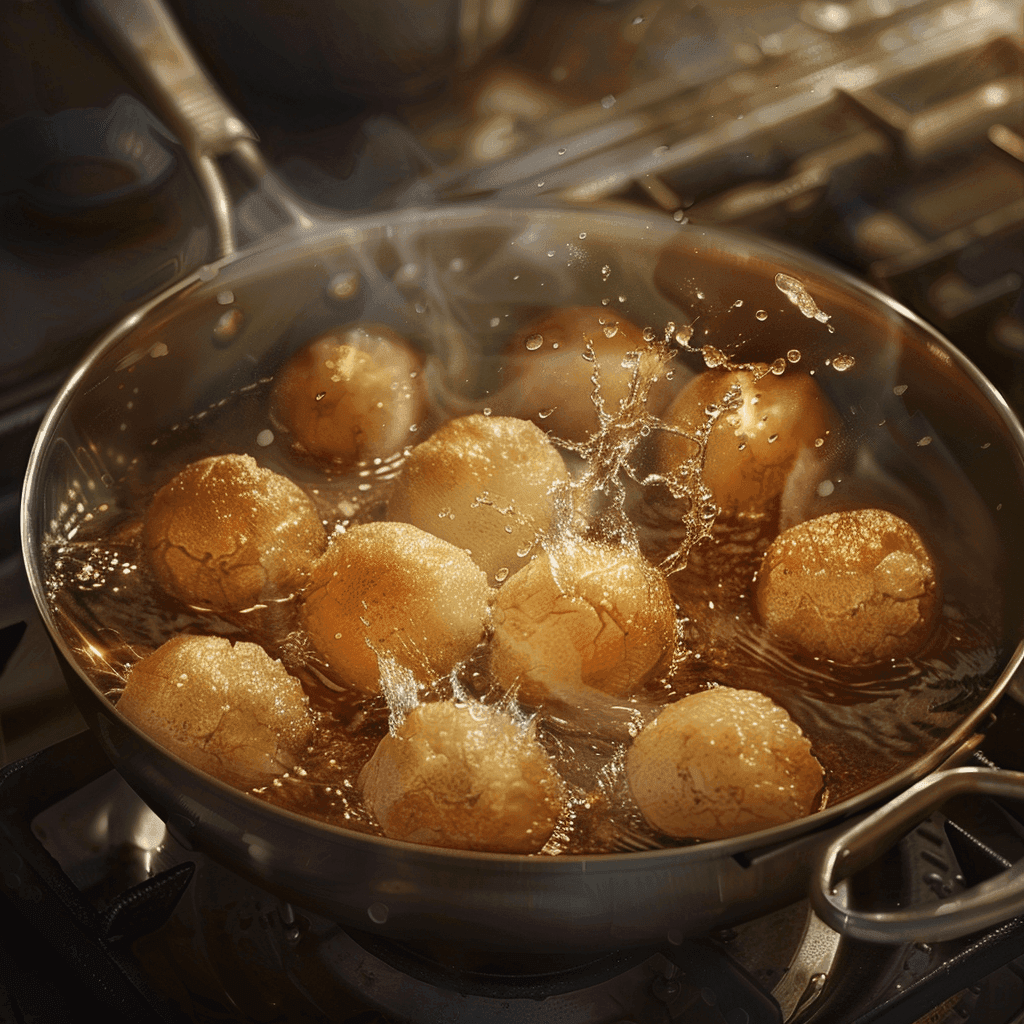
<point x="444" y="277"/>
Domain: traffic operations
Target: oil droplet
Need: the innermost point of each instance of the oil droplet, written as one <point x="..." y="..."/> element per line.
<point x="773" y="438"/>
<point x="924" y="441"/>
<point x="226" y="297"/>
<point x="377" y="913"/>
<point x="158" y="350"/>
<point x="818" y="442"/>
<point x="800" y="297"/>
<point x="761" y="314"/>
<point x="583" y="235"/>
<point x="207" y="273"/>
<point x="608" y="102"/>
<point x="825" y="488"/>
<point x="551" y="252"/>
<point x="495" y="321"/>
<point x="622" y="298"/>
<point x="793" y="355"/>
<point x="264" y="438"/>
<point x="534" y="342"/>
<point x="899" y="389"/>
<point x="228" y="324"/>
<point x="321" y="395"/>
<point x="842" y="363"/>
<point x="501" y="575"/>
<point x="343" y="285"/>
<point x="561" y="152"/>
<point x="457" y="265"/>
<point x="737" y="304"/>
<point x="679" y="217"/>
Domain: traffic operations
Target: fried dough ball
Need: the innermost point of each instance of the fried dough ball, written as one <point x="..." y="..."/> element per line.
<point x="752" y="448"/>
<point x="392" y="589"/>
<point x="225" y="534"/>
<point x="583" y="617"/>
<point x="854" y="587"/>
<point x="550" y="369"/>
<point x="229" y="710"/>
<point x="484" y="483"/>
<point x="721" y="763"/>
<point x="351" y="394"/>
<point x="464" y="776"/>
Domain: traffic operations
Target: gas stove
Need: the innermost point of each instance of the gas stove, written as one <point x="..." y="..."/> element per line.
<point x="885" y="135"/>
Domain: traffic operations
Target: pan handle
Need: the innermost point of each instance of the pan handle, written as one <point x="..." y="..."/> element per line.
<point x="991" y="902"/>
<point x="146" y="37"/>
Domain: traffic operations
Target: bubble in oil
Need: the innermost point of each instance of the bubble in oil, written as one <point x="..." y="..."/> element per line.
<point x="842" y="362"/>
<point x="534" y="342"/>
<point x="761" y="314"/>
<point x="606" y="272"/>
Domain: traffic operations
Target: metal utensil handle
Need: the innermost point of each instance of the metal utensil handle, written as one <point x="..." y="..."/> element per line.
<point x="991" y="902"/>
<point x="146" y="37"/>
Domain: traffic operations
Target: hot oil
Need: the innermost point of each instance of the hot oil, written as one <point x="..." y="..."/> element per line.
<point x="864" y="724"/>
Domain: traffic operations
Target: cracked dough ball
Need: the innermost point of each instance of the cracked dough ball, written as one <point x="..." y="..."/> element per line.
<point x="582" y="617"/>
<point x="854" y="587"/>
<point x="721" y="763"/>
<point x="484" y="483"/>
<point x="225" y="534"/>
<point x="394" y="589"/>
<point x="229" y="710"/>
<point x="464" y="776"/>
<point x="351" y="394"/>
<point x="752" y="448"/>
<point x="549" y="372"/>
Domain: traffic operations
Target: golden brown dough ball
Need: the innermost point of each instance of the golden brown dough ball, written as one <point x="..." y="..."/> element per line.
<point x="229" y="710"/>
<point x="484" y="483"/>
<point x="752" y="448"/>
<point x="854" y="587"/>
<point x="351" y="394"/>
<point x="225" y="534"/>
<point x="721" y="763"/>
<point x="463" y="776"/>
<point x="582" y="617"/>
<point x="549" y="371"/>
<point x="392" y="589"/>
